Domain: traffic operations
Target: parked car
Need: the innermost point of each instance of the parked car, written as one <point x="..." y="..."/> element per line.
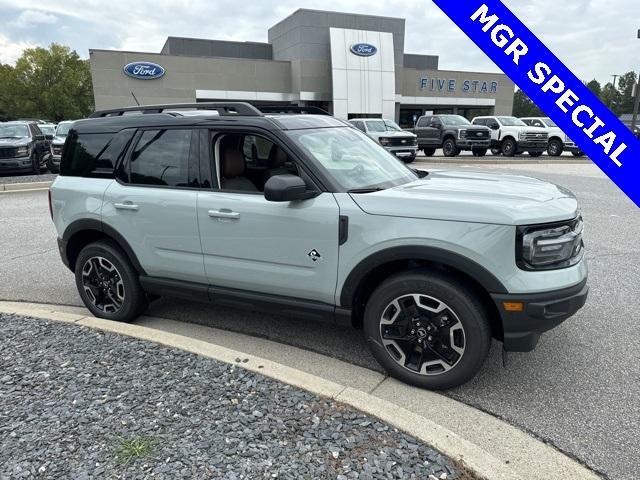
<point x="510" y="136"/>
<point x="23" y="148"/>
<point x="558" y="141"/>
<point x="56" y="145"/>
<point x="388" y="133"/>
<point x="306" y="216"/>
<point x="452" y="133"/>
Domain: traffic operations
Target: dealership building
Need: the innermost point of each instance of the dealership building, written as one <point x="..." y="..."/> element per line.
<point x="350" y="65"/>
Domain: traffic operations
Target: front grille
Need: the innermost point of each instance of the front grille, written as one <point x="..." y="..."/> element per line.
<point x="8" y="152"/>
<point x="402" y="141"/>
<point x="535" y="136"/>
<point x="57" y="150"/>
<point x="477" y="134"/>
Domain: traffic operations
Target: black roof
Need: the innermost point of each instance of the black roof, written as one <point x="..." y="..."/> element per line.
<point x="230" y="113"/>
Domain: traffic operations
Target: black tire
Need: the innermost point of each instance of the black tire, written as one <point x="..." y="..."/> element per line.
<point x="467" y="311"/>
<point x="51" y="167"/>
<point x="135" y="300"/>
<point x="509" y="147"/>
<point x="496" y="151"/>
<point x="535" y="154"/>
<point x="555" y="148"/>
<point x="428" y="152"/>
<point x="35" y="164"/>
<point x="449" y="148"/>
<point x="479" y="152"/>
<point x="578" y="154"/>
<point x="408" y="159"/>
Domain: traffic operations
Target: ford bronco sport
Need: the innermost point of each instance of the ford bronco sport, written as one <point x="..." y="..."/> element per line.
<point x="304" y="215"/>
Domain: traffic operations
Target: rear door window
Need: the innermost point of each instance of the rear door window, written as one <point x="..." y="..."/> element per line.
<point x="161" y="157"/>
<point x="84" y="155"/>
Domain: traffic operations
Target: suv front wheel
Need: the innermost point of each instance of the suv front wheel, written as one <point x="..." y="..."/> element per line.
<point x="449" y="148"/>
<point x="427" y="330"/>
<point x="509" y="147"/>
<point x="108" y="284"/>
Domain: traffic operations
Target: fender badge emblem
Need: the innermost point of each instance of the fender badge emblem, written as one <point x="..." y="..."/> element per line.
<point x="314" y="255"/>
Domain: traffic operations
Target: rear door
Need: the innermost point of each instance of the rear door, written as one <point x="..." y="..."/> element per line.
<point x="425" y="133"/>
<point x="287" y="249"/>
<point x="152" y="204"/>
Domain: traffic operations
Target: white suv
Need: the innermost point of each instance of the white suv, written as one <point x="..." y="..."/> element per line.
<point x="510" y="136"/>
<point x="558" y="141"/>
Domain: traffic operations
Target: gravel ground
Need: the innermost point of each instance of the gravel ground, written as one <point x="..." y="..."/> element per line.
<point x="44" y="177"/>
<point x="79" y="403"/>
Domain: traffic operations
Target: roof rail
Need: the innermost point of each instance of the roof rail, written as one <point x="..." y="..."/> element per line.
<point x="294" y="109"/>
<point x="223" y="109"/>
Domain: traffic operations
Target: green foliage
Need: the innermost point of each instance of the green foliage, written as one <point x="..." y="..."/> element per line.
<point x="523" y="106"/>
<point x="51" y="83"/>
<point x="618" y="99"/>
<point x="128" y="450"/>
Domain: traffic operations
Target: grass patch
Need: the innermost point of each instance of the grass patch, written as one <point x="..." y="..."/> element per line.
<point x="128" y="450"/>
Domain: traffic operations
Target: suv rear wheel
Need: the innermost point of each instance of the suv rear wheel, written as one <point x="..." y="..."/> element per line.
<point x="479" y="152"/>
<point x="449" y="148"/>
<point x="428" y="152"/>
<point x="108" y="284"/>
<point x="427" y="330"/>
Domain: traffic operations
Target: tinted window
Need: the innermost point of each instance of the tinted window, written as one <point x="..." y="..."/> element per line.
<point x="161" y="157"/>
<point x="479" y="121"/>
<point x="423" y="122"/>
<point x="83" y="155"/>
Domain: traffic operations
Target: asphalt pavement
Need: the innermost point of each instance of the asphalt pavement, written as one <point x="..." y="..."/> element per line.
<point x="578" y="390"/>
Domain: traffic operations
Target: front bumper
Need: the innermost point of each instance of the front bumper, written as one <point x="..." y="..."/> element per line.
<point x="541" y="312"/>
<point x="536" y="146"/>
<point x="18" y="164"/>
<point x="403" y="151"/>
<point x="466" y="143"/>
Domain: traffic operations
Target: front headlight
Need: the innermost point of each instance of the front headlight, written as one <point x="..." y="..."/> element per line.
<point x="23" y="151"/>
<point x="550" y="247"/>
<point x="384" y="141"/>
<point x="521" y="135"/>
<point x="462" y="133"/>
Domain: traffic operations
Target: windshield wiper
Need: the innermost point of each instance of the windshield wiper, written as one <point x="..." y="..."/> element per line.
<point x="365" y="190"/>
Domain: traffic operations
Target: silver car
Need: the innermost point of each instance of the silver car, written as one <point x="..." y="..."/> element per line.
<point x="388" y="133"/>
<point x="305" y="216"/>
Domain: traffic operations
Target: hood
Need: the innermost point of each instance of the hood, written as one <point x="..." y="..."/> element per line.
<point x="474" y="197"/>
<point x="14" y="142"/>
<point x="395" y="133"/>
<point x="58" y="140"/>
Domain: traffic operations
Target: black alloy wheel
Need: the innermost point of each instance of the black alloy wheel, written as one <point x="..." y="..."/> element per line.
<point x="449" y="148"/>
<point x="103" y="284"/>
<point x="555" y="148"/>
<point x="509" y="147"/>
<point x="426" y="329"/>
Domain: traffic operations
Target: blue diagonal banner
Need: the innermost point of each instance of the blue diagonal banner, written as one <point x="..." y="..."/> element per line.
<point x="552" y="86"/>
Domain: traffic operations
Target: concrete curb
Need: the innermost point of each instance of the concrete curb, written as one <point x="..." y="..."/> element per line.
<point x="516" y="161"/>
<point x="23" y="187"/>
<point x="491" y="448"/>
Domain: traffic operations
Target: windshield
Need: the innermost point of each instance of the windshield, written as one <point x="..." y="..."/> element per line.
<point x="63" y="129"/>
<point x="48" y="129"/>
<point x="352" y="159"/>
<point x="13" y="131"/>
<point x="454" y="120"/>
<point x="392" y="126"/>
<point x="549" y="122"/>
<point x="511" y="122"/>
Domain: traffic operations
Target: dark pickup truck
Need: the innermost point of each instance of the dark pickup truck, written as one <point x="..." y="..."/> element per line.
<point x="452" y="133"/>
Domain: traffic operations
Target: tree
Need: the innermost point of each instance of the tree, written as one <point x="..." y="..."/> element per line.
<point x="625" y="87"/>
<point x="524" y="107"/>
<point x="53" y="83"/>
<point x="611" y="98"/>
<point x="595" y="87"/>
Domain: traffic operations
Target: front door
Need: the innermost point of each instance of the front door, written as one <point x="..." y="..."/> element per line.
<point x="249" y="243"/>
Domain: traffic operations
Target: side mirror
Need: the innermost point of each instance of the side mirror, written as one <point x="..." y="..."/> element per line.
<point x="287" y="188"/>
<point x="49" y="136"/>
<point x="494" y="126"/>
<point x="39" y="138"/>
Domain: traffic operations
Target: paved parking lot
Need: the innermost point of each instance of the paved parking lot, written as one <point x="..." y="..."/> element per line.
<point x="579" y="390"/>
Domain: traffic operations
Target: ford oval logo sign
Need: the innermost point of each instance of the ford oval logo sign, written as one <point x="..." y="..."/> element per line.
<point x="363" y="49"/>
<point x="143" y="70"/>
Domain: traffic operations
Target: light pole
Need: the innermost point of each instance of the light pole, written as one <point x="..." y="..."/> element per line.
<point x="636" y="105"/>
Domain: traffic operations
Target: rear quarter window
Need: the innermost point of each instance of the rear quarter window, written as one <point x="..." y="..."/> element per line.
<point x="93" y="154"/>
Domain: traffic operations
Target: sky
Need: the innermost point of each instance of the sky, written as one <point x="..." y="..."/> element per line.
<point x="594" y="38"/>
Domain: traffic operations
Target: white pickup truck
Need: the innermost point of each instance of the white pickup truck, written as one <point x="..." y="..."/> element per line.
<point x="510" y="136"/>
<point x="558" y="141"/>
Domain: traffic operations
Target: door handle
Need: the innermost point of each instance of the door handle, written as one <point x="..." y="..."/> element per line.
<point x="224" y="214"/>
<point x="125" y="206"/>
